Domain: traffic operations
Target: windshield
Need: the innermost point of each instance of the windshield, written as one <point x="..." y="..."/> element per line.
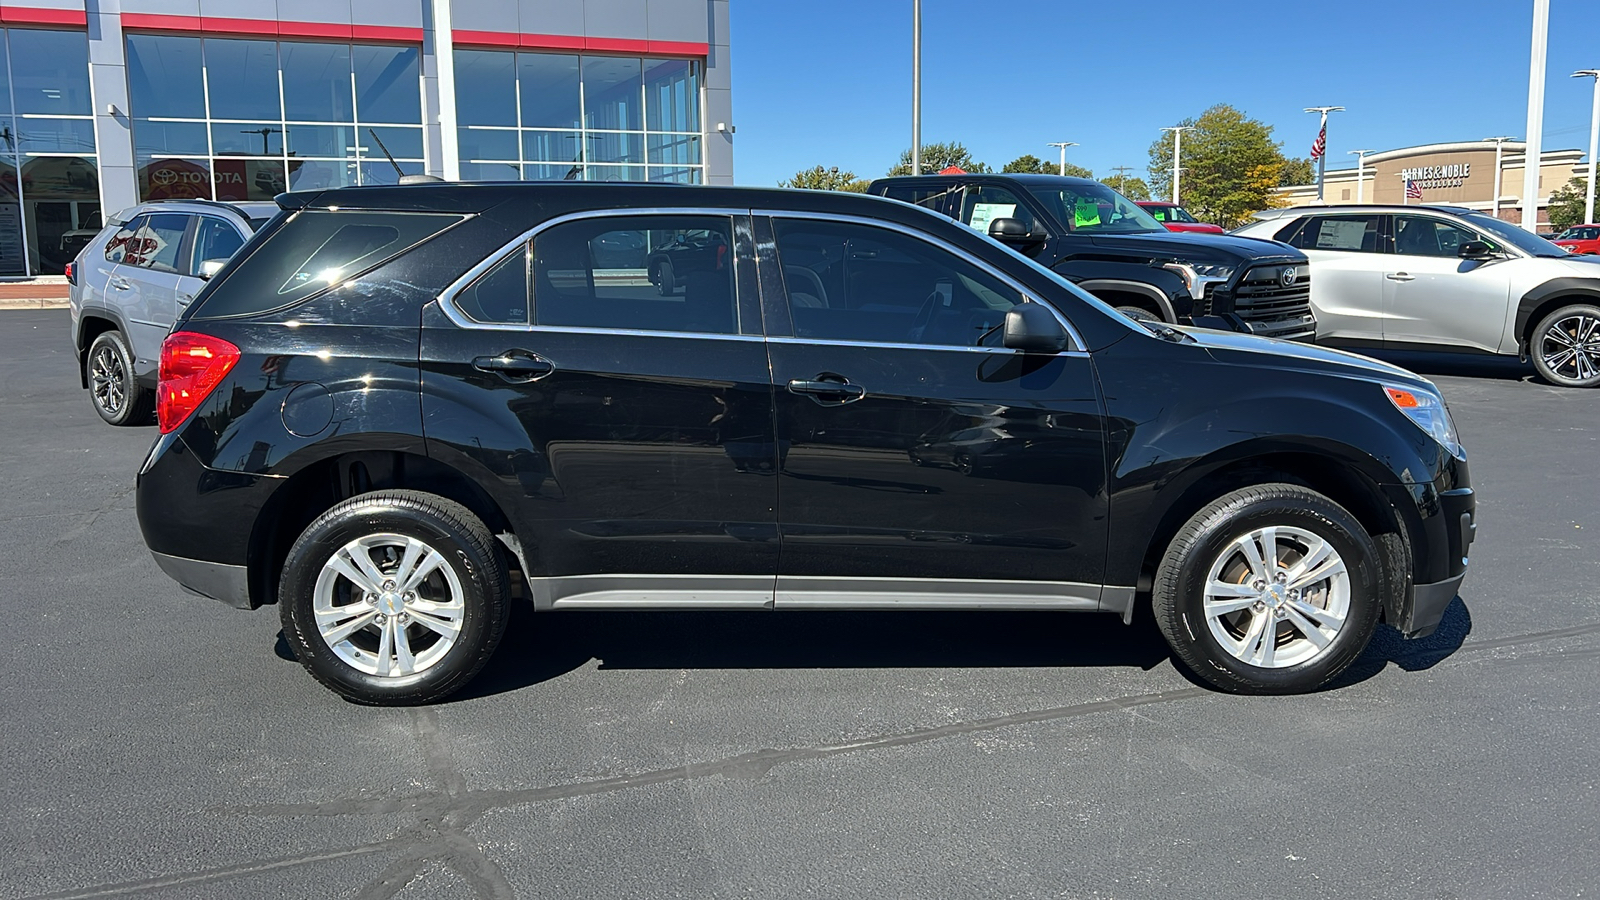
<point x="1526" y="241"/>
<point x="1095" y="209"/>
<point x="1579" y="234"/>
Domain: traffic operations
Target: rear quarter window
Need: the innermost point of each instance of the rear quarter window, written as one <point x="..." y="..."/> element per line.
<point x="314" y="250"/>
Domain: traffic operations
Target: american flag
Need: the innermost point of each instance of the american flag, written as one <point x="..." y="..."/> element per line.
<point x="1413" y="190"/>
<point x="1320" y="145"/>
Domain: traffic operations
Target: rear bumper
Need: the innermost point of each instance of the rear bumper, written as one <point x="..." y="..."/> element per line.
<point x="218" y="581"/>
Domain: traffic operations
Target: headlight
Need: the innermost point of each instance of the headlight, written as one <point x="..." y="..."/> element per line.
<point x="1223" y="271"/>
<point x="1197" y="277"/>
<point x="1427" y="409"/>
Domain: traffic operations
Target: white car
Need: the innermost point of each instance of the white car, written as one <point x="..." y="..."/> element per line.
<point x="1445" y="278"/>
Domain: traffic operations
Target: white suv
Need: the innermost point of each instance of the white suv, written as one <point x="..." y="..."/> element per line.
<point x="1445" y="278"/>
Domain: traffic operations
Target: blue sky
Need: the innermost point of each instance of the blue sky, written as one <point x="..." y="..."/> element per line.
<point x="829" y="81"/>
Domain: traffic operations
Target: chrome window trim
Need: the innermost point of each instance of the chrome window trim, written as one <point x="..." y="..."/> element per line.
<point x="447" y="297"/>
<point x="1031" y="295"/>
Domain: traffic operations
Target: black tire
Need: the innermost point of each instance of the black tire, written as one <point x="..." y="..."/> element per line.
<point x="1178" y="594"/>
<point x="468" y="550"/>
<point x="1139" y="314"/>
<point x="1565" y="346"/>
<point x="113" y="391"/>
<point x="666" y="280"/>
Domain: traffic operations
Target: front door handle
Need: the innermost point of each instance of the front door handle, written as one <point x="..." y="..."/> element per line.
<point x="119" y="284"/>
<point x="185" y="299"/>
<point x="829" y="390"/>
<point x="515" y="365"/>
<point x="1400" y="276"/>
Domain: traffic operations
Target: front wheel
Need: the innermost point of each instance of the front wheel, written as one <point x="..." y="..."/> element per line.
<point x="1272" y="589"/>
<point x="394" y="597"/>
<point x="1566" y="346"/>
<point x="1139" y="314"/>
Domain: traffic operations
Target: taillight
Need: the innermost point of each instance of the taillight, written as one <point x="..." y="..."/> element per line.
<point x="68" y="272"/>
<point x="191" y="366"/>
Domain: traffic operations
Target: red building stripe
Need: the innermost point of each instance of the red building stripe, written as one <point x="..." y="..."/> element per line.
<point x="29" y="15"/>
<point x="486" y="38"/>
<point x="270" y="28"/>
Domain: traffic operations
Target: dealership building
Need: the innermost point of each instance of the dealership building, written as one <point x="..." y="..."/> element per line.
<point x="110" y="102"/>
<point x="1458" y="174"/>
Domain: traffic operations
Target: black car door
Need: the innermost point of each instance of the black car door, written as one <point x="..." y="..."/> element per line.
<point x="629" y="431"/>
<point x="920" y="462"/>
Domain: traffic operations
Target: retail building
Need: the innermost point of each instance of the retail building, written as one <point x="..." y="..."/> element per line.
<point x="109" y="102"/>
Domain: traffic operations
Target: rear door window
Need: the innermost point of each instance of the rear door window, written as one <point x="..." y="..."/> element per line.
<point x="983" y="203"/>
<point x="117" y="247"/>
<point x="156" y="243"/>
<point x="316" y="249"/>
<point x="1355" y="234"/>
<point x="934" y="197"/>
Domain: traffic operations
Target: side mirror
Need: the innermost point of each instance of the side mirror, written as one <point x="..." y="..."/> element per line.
<point x="210" y="268"/>
<point x="1010" y="231"/>
<point x="1475" y="250"/>
<point x="1033" y="328"/>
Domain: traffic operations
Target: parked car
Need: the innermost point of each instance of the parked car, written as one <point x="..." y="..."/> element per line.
<point x="1104" y="243"/>
<point x="1582" y="239"/>
<point x="1176" y="218"/>
<point x="683" y="254"/>
<point x="1446" y="278"/>
<point x="129" y="283"/>
<point x="398" y="401"/>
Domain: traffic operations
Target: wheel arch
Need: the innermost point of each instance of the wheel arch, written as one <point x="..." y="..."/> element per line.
<point x="1113" y="291"/>
<point x="1545" y="299"/>
<point x="317" y="486"/>
<point x="90" y="326"/>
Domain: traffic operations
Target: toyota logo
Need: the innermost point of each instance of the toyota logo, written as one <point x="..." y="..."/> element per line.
<point x="1288" y="275"/>
<point x="164" y="176"/>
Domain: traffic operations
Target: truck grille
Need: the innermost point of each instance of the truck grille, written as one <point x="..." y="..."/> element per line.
<point x="1274" y="308"/>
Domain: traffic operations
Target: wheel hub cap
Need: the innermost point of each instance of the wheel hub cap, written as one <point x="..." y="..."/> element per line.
<point x="1277" y="597"/>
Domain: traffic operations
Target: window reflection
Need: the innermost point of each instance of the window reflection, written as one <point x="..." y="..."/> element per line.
<point x="316" y="83"/>
<point x="242" y="79"/>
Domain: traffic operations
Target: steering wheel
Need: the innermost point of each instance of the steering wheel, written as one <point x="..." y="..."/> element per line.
<point x="919" y="325"/>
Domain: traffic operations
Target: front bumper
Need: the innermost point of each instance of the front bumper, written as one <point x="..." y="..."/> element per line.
<point x="1448" y="537"/>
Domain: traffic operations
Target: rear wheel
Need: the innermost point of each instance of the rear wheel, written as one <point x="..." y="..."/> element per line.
<point x="1566" y="346"/>
<point x="1273" y="589"/>
<point x="394" y="597"/>
<point x="666" y="281"/>
<point x="117" y="397"/>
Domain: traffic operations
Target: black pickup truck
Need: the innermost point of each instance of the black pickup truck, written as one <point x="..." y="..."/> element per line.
<point x="1107" y="245"/>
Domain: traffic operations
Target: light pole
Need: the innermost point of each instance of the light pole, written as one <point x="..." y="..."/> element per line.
<point x="1063" y="145"/>
<point x="1322" y="137"/>
<point x="1499" y="154"/>
<point x="1177" y="149"/>
<point x="1361" y="174"/>
<point x="916" y="87"/>
<point x="1533" y="155"/>
<point x="1594" y="142"/>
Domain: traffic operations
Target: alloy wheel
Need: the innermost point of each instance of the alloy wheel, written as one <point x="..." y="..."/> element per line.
<point x="389" y="605"/>
<point x="1570" y="347"/>
<point x="1277" y="597"/>
<point x="108" y="380"/>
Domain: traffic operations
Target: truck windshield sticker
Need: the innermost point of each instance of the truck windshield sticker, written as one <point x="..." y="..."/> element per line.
<point x="984" y="213"/>
<point x="1341" y="234"/>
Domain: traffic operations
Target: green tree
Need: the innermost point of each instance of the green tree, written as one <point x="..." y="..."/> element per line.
<point x="826" y="179"/>
<point x="936" y="157"/>
<point x="1297" y="171"/>
<point x="1231" y="166"/>
<point x="1028" y="164"/>
<point x="1567" y="204"/>
<point x="1130" y="186"/>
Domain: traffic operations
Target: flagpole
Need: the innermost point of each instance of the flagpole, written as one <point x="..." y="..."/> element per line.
<point x="1322" y="135"/>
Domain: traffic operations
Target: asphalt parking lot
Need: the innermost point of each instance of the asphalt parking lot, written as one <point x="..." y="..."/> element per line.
<point x="162" y="745"/>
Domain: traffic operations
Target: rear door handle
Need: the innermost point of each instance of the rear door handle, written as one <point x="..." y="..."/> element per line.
<point x="827" y="391"/>
<point x="119" y="284"/>
<point x="185" y="299"/>
<point x="1400" y="276"/>
<point x="515" y="365"/>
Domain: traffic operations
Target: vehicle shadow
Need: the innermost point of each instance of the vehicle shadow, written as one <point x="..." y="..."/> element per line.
<point x="1387" y="646"/>
<point x="540" y="646"/>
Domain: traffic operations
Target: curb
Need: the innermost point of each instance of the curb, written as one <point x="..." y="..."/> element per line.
<point x="33" y="303"/>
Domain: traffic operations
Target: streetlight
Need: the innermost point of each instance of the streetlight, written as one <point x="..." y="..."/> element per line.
<point x="916" y="87"/>
<point x="1063" y="145"/>
<point x="1499" y="154"/>
<point x="1534" y="155"/>
<point x="1177" y="148"/>
<point x="1322" y="136"/>
<point x="1594" y="141"/>
<point x="1361" y="174"/>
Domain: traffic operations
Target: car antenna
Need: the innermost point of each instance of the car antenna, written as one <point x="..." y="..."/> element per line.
<point x="390" y="156"/>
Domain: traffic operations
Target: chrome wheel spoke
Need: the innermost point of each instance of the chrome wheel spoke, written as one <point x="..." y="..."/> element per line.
<point x="340" y="622"/>
<point x="410" y="577"/>
<point x="1259" y="640"/>
<point x="1308" y="628"/>
<point x="1326" y="569"/>
<point x="362" y="557"/>
<point x="404" y="662"/>
<point x="1557" y="360"/>
<point x="1557" y="336"/>
<point x="440" y="620"/>
<point x="344" y="563"/>
<point x="1317" y="614"/>
<point x="385" y="648"/>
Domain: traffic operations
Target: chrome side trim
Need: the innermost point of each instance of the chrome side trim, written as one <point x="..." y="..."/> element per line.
<point x="942" y="244"/>
<point x="448" y="295"/>
<point x="831" y="342"/>
<point x="814" y="592"/>
<point x="1118" y="600"/>
<point x="652" y="591"/>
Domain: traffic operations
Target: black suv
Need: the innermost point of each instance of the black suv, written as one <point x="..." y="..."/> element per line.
<point x="1106" y="244"/>
<point x="395" y="406"/>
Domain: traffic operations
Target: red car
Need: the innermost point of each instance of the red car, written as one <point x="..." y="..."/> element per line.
<point x="1579" y="239"/>
<point x="1176" y="218"/>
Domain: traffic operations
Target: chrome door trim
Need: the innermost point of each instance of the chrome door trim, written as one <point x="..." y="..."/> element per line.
<point x="623" y="591"/>
<point x="448" y="295"/>
<point x="1030" y="294"/>
<point x="825" y="592"/>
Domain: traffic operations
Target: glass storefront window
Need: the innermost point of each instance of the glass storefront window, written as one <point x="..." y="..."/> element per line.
<point x="247" y="140"/>
<point x="50" y="72"/>
<point x="488" y="171"/>
<point x="579" y="116"/>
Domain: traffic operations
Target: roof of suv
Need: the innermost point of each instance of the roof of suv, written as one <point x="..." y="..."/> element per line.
<point x="1025" y="178"/>
<point x="246" y="209"/>
<point x="1346" y="208"/>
